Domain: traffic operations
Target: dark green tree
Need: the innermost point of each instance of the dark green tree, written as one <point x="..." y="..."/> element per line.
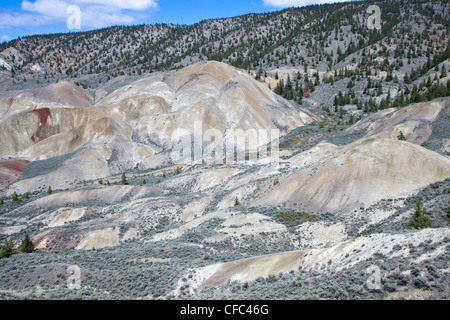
<point x="443" y="72"/>
<point x="124" y="179"/>
<point x="419" y="219"/>
<point x="8" y="249"/>
<point x="27" y="245"/>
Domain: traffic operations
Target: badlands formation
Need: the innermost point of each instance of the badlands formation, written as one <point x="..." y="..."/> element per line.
<point x="309" y="222"/>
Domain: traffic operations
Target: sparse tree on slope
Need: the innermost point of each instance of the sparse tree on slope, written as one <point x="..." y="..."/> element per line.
<point x="419" y="219"/>
<point x="27" y="245"/>
<point x="8" y="249"/>
<point x="124" y="179"/>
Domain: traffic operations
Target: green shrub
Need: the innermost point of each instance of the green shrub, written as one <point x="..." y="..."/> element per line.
<point x="401" y="136"/>
<point x="365" y="233"/>
<point x="15" y="197"/>
<point x="293" y="219"/>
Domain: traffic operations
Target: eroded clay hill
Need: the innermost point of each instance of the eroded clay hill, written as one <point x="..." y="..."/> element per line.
<point x="126" y="128"/>
<point x="360" y="174"/>
<point x="235" y="217"/>
<point x="377" y="166"/>
<point x="211" y="94"/>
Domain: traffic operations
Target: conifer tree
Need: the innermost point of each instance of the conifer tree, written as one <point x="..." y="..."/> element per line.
<point x="27" y="245"/>
<point x="8" y="249"/>
<point x="124" y="179"/>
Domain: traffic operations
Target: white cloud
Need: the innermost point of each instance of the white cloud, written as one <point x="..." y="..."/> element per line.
<point x="100" y="17"/>
<point x="297" y="3"/>
<point x="49" y="8"/>
<point x="20" y="19"/>
<point x="94" y="13"/>
<point x="4" y="38"/>
<point x="137" y="5"/>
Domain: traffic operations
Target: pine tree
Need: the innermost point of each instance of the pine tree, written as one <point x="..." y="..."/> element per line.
<point x="415" y="95"/>
<point x="27" y="245"/>
<point x="8" y="249"/>
<point x="419" y="219"/>
<point x="443" y="72"/>
<point x="49" y="190"/>
<point x="407" y="80"/>
<point x="124" y="179"/>
<point x="380" y="89"/>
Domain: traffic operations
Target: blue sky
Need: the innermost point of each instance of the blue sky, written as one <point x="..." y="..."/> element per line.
<point x="28" y="17"/>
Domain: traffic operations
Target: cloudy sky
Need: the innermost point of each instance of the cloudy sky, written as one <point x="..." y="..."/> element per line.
<point x="28" y="17"/>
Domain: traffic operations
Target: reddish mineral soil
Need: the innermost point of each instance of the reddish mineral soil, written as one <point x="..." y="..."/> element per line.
<point x="10" y="170"/>
<point x="43" y="129"/>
